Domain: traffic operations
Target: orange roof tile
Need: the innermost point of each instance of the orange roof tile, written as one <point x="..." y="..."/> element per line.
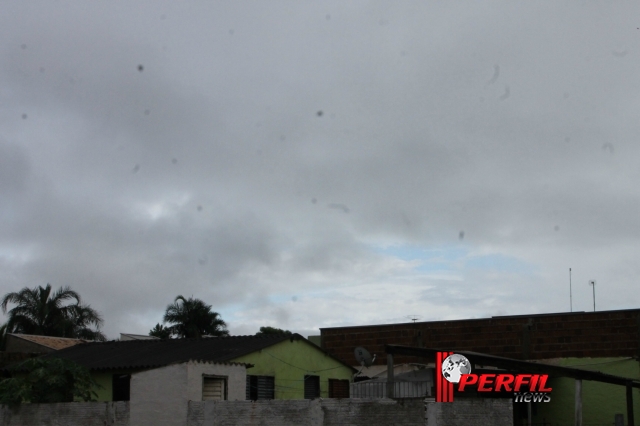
<point x="50" y="341"/>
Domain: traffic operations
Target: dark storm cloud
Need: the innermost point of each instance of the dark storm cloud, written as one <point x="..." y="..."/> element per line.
<point x="149" y="149"/>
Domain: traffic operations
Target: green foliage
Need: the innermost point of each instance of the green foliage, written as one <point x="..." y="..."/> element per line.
<point x="194" y="318"/>
<point x="268" y="331"/>
<point x="46" y="380"/>
<point x="160" y="332"/>
<point x="39" y="311"/>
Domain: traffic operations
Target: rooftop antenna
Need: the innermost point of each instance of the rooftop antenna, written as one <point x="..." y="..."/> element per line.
<point x="364" y="358"/>
<point x="414" y="318"/>
<point x="570" y="296"/>
<point x="593" y="283"/>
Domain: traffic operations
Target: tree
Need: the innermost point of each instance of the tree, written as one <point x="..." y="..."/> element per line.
<point x="45" y="380"/>
<point x="269" y="331"/>
<point x="194" y="318"/>
<point x="3" y="336"/>
<point x="39" y="311"/>
<point x="160" y="331"/>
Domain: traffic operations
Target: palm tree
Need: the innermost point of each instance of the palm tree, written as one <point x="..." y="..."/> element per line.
<point x="82" y="316"/>
<point x="194" y="318"/>
<point x="38" y="311"/>
<point x="160" y="331"/>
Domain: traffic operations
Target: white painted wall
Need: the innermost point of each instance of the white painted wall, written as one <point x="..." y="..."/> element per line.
<point x="160" y="396"/>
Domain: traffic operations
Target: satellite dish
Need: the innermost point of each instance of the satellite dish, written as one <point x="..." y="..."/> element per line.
<point x="363" y="356"/>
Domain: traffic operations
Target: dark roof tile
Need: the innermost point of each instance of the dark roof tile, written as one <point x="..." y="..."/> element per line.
<point x="157" y="353"/>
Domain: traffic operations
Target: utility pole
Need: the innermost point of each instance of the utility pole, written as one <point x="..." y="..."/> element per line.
<point x="593" y="283"/>
<point x="570" y="296"/>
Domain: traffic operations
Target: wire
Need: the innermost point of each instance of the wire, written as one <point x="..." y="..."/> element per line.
<point x="300" y="368"/>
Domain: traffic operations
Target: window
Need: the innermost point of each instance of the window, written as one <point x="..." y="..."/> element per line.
<point x="214" y="388"/>
<point x="311" y="387"/>
<point x="260" y="387"/>
<point x="338" y="388"/>
<point x="120" y="387"/>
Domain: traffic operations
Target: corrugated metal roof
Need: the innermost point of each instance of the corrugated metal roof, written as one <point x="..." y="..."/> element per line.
<point x="129" y="336"/>
<point x="156" y="353"/>
<point x="56" y="343"/>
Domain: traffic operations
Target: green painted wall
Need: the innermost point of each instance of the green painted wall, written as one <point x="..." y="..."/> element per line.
<point x="600" y="401"/>
<point x="288" y="362"/>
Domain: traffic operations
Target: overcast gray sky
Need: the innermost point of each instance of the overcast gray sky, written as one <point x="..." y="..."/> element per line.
<point x="317" y="164"/>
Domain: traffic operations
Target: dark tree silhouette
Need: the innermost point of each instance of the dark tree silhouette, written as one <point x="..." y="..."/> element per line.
<point x="39" y="311"/>
<point x="194" y="318"/>
<point x="269" y="331"/>
<point x="160" y="331"/>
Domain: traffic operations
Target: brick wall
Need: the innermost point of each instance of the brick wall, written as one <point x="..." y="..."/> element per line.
<point x="68" y="414"/>
<point x="587" y="334"/>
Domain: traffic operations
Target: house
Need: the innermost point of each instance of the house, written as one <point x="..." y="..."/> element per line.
<point x="291" y="367"/>
<point x="27" y="343"/>
<point x="281" y="367"/>
<point x="604" y="341"/>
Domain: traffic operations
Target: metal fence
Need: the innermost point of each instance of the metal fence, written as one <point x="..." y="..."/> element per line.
<point x="378" y="389"/>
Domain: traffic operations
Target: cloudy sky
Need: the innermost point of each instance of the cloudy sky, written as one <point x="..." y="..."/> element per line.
<point x="318" y="164"/>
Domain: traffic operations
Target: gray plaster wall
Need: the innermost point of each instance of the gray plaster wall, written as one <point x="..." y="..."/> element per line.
<point x="317" y="412"/>
<point x="67" y="414"/>
<point x="470" y="412"/>
<point x="160" y="396"/>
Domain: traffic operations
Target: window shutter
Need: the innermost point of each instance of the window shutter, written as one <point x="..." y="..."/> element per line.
<point x="260" y="387"/>
<point x="212" y="388"/>
<point x="250" y="385"/>
<point x="266" y="387"/>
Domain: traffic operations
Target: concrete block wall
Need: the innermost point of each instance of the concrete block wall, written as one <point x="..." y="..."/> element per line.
<point x="338" y="412"/>
<point x="67" y="414"/>
<point x="586" y="334"/>
<point x="317" y="412"/>
<point x="470" y="412"/>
